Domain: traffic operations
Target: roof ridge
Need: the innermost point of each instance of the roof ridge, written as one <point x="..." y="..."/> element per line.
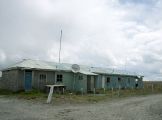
<point x="42" y="64"/>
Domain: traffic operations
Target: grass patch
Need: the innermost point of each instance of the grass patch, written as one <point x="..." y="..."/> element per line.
<point x="5" y="92"/>
<point x="34" y="94"/>
<point x="100" y="95"/>
<point x="73" y="98"/>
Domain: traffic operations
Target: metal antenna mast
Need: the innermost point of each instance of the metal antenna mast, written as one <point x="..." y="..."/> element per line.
<point x="60" y="45"/>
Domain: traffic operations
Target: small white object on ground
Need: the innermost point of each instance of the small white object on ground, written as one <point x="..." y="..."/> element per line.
<point x="50" y="94"/>
<point x="51" y="91"/>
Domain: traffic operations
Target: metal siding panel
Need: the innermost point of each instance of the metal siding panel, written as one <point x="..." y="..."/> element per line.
<point x="20" y="79"/>
<point x="80" y="84"/>
<point x="99" y="82"/>
<point x="68" y="79"/>
<point x="50" y="79"/>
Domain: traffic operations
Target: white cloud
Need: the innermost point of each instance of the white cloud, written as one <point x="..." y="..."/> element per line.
<point x="95" y="32"/>
<point x="2" y="56"/>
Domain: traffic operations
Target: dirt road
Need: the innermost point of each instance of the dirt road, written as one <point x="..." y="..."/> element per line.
<point x="134" y="108"/>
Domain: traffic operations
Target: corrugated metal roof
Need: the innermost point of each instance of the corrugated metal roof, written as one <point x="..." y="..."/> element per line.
<point x="110" y="71"/>
<point x="37" y="64"/>
<point x="34" y="64"/>
<point x="87" y="72"/>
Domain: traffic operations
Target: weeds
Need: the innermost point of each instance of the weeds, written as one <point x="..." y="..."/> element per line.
<point x="100" y="95"/>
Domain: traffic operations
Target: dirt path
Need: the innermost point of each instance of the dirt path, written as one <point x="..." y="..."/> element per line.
<point x="135" y="108"/>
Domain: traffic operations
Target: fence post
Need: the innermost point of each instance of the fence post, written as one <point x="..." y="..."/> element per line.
<point x="152" y="87"/>
<point x="70" y="95"/>
<point x="82" y="91"/>
<point x="63" y="90"/>
<point x="112" y="89"/>
<point x="94" y="91"/>
<point x="119" y="91"/>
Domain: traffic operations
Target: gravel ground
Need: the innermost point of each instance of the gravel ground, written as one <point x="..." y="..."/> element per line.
<point x="134" y="108"/>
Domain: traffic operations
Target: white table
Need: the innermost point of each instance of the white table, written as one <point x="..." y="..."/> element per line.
<point x="51" y="91"/>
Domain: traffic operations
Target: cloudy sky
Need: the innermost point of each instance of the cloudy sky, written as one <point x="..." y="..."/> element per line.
<point x="121" y="34"/>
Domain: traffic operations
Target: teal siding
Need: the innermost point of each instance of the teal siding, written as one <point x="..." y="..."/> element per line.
<point x="98" y="82"/>
<point x="113" y="82"/>
<point x="14" y="80"/>
<point x="68" y="78"/>
<point x="81" y="84"/>
<point x="50" y="79"/>
<point x="72" y="81"/>
<point x="125" y="82"/>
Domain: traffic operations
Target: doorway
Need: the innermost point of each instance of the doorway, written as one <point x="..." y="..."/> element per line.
<point x="28" y="80"/>
<point x="90" y="83"/>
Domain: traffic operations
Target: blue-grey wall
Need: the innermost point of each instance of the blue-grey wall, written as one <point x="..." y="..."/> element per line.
<point x="125" y="82"/>
<point x="14" y="80"/>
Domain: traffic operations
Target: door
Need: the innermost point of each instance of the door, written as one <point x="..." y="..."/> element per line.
<point x="90" y="83"/>
<point x="28" y="80"/>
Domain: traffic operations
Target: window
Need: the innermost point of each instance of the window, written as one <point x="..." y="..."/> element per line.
<point x="80" y="77"/>
<point x="108" y="80"/>
<point x="59" y="78"/>
<point x="42" y="77"/>
<point x="119" y="79"/>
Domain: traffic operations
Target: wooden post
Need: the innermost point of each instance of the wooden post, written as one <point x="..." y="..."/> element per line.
<point x="152" y="87"/>
<point x="112" y="89"/>
<point x="82" y="91"/>
<point x="94" y="91"/>
<point x="63" y="90"/>
<point x="70" y="95"/>
<point x="104" y="90"/>
<point x="119" y="91"/>
<point x="131" y="90"/>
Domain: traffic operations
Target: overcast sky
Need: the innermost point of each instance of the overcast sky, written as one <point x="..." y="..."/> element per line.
<point x="121" y="34"/>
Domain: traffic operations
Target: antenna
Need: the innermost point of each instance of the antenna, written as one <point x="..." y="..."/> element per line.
<point x="60" y="45"/>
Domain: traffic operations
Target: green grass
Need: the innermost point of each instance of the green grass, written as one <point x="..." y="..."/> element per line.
<point x="100" y="95"/>
<point x="34" y="94"/>
<point x="5" y="92"/>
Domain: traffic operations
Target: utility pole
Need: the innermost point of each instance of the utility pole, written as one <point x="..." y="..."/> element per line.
<point x="60" y="46"/>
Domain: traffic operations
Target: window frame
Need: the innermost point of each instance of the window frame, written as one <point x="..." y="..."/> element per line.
<point x="80" y="77"/>
<point x="108" y="80"/>
<point x="42" y="77"/>
<point x="119" y="79"/>
<point x="59" y="78"/>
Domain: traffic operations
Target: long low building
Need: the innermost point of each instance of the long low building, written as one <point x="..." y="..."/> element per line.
<point x="29" y="74"/>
